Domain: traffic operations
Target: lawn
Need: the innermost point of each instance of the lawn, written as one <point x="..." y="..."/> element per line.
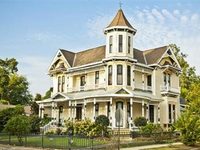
<point x="177" y="147"/>
<point x="52" y="141"/>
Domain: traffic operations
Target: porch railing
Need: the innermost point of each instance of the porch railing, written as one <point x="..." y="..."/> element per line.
<point x="48" y="126"/>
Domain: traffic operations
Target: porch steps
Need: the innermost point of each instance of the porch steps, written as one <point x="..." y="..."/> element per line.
<point x="122" y="131"/>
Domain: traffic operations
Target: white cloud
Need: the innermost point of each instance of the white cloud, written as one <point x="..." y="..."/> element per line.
<point x="157" y="27"/>
<point x="35" y="69"/>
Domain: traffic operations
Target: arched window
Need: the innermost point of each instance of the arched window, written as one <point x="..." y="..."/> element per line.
<point x="63" y="84"/>
<point x="110" y="75"/>
<point x="129" y="75"/>
<point x="119" y="74"/>
<point x="59" y="84"/>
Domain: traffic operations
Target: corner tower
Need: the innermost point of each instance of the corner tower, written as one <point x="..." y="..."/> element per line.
<point x="119" y="37"/>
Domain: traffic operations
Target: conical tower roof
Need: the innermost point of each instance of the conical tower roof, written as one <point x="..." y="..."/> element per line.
<point x="120" y="20"/>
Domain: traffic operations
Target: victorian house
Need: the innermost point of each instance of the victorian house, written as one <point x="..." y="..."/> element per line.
<point x="114" y="76"/>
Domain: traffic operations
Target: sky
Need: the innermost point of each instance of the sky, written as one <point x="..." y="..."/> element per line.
<point x="32" y="31"/>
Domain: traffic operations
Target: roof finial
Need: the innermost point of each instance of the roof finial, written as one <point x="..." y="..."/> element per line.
<point x="120" y="4"/>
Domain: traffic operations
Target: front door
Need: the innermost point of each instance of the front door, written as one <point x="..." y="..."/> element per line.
<point x="119" y="114"/>
<point x="79" y="113"/>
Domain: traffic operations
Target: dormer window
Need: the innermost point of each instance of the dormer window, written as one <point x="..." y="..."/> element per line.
<point x="110" y="44"/>
<point x="120" y="43"/>
<point x="129" y="44"/>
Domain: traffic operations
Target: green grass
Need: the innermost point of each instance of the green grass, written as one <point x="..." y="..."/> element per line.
<point x="52" y="141"/>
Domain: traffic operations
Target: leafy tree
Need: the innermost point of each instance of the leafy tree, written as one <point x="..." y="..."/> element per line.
<point x="48" y="93"/>
<point x="19" y="126"/>
<point x="188" y="75"/>
<point x="13" y="87"/>
<point x="35" y="122"/>
<point x="140" y="121"/>
<point x="189" y="123"/>
<point x="8" y="113"/>
<point x="38" y="97"/>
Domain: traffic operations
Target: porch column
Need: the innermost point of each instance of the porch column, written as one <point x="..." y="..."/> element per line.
<point x="142" y="108"/>
<point x="131" y="111"/>
<point x="158" y="115"/>
<point x="94" y="104"/>
<point x="70" y="110"/>
<point x="52" y="110"/>
<point x="147" y="112"/>
<point x="111" y="114"/>
<point x="42" y="111"/>
<point x="85" y="103"/>
<point x="39" y="110"/>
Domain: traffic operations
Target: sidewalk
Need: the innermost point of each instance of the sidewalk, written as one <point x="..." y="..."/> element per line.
<point x="150" y="146"/>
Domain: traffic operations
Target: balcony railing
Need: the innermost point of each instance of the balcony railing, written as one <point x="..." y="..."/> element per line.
<point x="86" y="87"/>
<point x="167" y="88"/>
<point x="142" y="86"/>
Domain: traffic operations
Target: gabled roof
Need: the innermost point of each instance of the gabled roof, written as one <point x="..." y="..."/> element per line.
<point x="153" y="55"/>
<point x="89" y="56"/>
<point x="69" y="56"/>
<point x="120" y="20"/>
<point x="96" y="54"/>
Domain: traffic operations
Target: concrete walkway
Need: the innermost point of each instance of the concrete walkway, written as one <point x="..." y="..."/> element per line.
<point x="150" y="146"/>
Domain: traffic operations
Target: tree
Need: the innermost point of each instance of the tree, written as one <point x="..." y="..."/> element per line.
<point x="48" y="93"/>
<point x="189" y="123"/>
<point x="19" y="126"/>
<point x="8" y="113"/>
<point x="35" y="122"/>
<point x="38" y="97"/>
<point x="188" y="75"/>
<point x="13" y="87"/>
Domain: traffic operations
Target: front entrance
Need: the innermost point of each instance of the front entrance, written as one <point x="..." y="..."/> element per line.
<point x="79" y="112"/>
<point x="119" y="118"/>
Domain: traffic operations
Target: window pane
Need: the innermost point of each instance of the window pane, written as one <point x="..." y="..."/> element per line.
<point x="129" y="44"/>
<point x="109" y="75"/>
<point x="120" y="43"/>
<point x="110" y="44"/>
<point x="128" y="75"/>
<point x="82" y="81"/>
<point x="119" y="75"/>
<point x="97" y="77"/>
<point x="149" y="80"/>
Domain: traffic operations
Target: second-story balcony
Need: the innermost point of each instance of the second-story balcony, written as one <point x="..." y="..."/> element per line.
<point x="142" y="87"/>
<point x="86" y="88"/>
<point x="166" y="89"/>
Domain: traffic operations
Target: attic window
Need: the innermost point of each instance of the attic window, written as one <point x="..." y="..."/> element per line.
<point x="59" y="54"/>
<point x="169" y="52"/>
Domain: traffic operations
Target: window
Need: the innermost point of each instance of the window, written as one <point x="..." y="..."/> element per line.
<point x="82" y="83"/>
<point x="169" y="79"/>
<point x="108" y="110"/>
<point x="149" y="80"/>
<point x="165" y="79"/>
<point x="110" y="44"/>
<point x="63" y="84"/>
<point x="120" y="43"/>
<point x="59" y="84"/>
<point x="151" y="113"/>
<point x="79" y="111"/>
<point x="170" y="114"/>
<point x="110" y="75"/>
<point x="129" y="44"/>
<point x="97" y="77"/>
<point x="119" y="75"/>
<point x="96" y="110"/>
<point x="174" y="112"/>
<point x="129" y="75"/>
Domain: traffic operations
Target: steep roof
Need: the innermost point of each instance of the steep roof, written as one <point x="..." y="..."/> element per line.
<point x="69" y="56"/>
<point x="89" y="56"/>
<point x="98" y="53"/>
<point x="153" y="55"/>
<point x="120" y="20"/>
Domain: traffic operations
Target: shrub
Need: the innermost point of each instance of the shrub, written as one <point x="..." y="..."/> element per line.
<point x="35" y="122"/>
<point x="19" y="126"/>
<point x="5" y="102"/>
<point x="102" y="120"/>
<point x="147" y="130"/>
<point x="8" y="113"/>
<point x="140" y="121"/>
<point x="58" y="131"/>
